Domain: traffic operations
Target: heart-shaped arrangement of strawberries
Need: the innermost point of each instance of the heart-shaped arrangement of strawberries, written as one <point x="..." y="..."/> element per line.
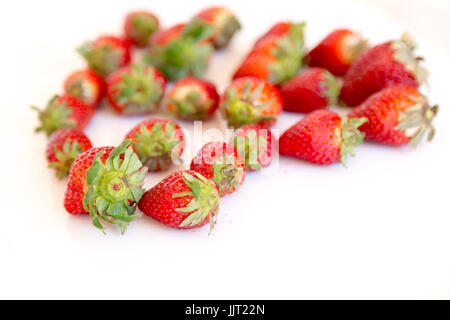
<point x="379" y="82"/>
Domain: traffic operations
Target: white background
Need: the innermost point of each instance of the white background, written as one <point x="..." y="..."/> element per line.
<point x="379" y="229"/>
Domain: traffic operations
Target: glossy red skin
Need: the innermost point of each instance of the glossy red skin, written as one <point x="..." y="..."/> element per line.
<point x="116" y="77"/>
<point x="305" y="92"/>
<point x="207" y="89"/>
<point x="88" y="78"/>
<point x="314" y="138"/>
<point x="373" y="71"/>
<point x="267" y="153"/>
<point x="331" y="53"/>
<point x="382" y="110"/>
<point x="118" y="43"/>
<point x="128" y="25"/>
<point x="163" y="37"/>
<point x="279" y="29"/>
<point x="61" y="136"/>
<point x="76" y="187"/>
<point x="202" y="162"/>
<point x="81" y="112"/>
<point x="255" y="65"/>
<point x="270" y="94"/>
<point x="159" y="203"/>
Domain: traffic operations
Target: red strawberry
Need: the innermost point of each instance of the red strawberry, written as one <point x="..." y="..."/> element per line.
<point x="279" y="29"/>
<point x="63" y="147"/>
<point x="183" y="200"/>
<point x="159" y="143"/>
<point x="397" y="116"/>
<point x="182" y="50"/>
<point x="106" y="54"/>
<point x="256" y="145"/>
<point x="312" y="89"/>
<point x="64" y="111"/>
<point x="140" y="26"/>
<point x="225" y="25"/>
<point x="135" y="89"/>
<point x="337" y="51"/>
<point x="220" y="162"/>
<point x="389" y="64"/>
<point x="275" y="57"/>
<point x="322" y="137"/>
<point x="106" y="183"/>
<point x="251" y="100"/>
<point x="87" y="85"/>
<point x="193" y="98"/>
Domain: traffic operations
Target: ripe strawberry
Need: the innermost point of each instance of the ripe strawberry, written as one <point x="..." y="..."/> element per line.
<point x="279" y="29"/>
<point x="106" y="54"/>
<point x="251" y="100"/>
<point x="135" y="89"/>
<point x="63" y="147"/>
<point x="182" y="50"/>
<point x="86" y="85"/>
<point x="397" y="116"/>
<point x="106" y="183"/>
<point x="389" y="64"/>
<point x="158" y="143"/>
<point x="183" y="200"/>
<point x="322" y="137"/>
<point x="224" y="22"/>
<point x="312" y="89"/>
<point x="256" y="145"/>
<point x="193" y="98"/>
<point x="64" y="111"/>
<point x="337" y="51"/>
<point x="220" y="162"/>
<point x="275" y="57"/>
<point x="140" y="26"/>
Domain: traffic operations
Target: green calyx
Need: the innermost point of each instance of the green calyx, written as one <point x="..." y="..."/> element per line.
<point x="226" y="32"/>
<point x="205" y="200"/>
<point x="226" y="174"/>
<point x="242" y="110"/>
<point x="289" y="54"/>
<point x="65" y="158"/>
<point x="418" y="120"/>
<point x="55" y="116"/>
<point x="143" y="27"/>
<point x="330" y="87"/>
<point x="404" y="53"/>
<point x="155" y="148"/>
<point x="192" y="106"/>
<point x="104" y="59"/>
<point x="250" y="147"/>
<point x="113" y="185"/>
<point x="183" y="56"/>
<point x="350" y="136"/>
<point x="138" y="90"/>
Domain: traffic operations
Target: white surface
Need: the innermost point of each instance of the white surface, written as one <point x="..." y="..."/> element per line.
<point x="379" y="229"/>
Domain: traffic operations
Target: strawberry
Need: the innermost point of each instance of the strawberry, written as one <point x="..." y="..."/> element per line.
<point x="106" y="54"/>
<point x="220" y="162"/>
<point x="251" y="100"/>
<point x="135" y="89"/>
<point x="275" y="57"/>
<point x="224" y="22"/>
<point x="140" y="26"/>
<point x="256" y="145"/>
<point x="86" y="85"/>
<point x="106" y="183"/>
<point x="337" y="51"/>
<point x="312" y="89"/>
<point x="322" y="137"/>
<point x="183" y="200"/>
<point x="158" y="143"/>
<point x="389" y="64"/>
<point x="279" y="29"/>
<point x="64" y="111"/>
<point x="63" y="147"/>
<point x="193" y="98"/>
<point x="182" y="50"/>
<point x="397" y="116"/>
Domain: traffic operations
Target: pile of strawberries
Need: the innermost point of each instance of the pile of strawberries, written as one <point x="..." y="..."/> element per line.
<point x="379" y="83"/>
